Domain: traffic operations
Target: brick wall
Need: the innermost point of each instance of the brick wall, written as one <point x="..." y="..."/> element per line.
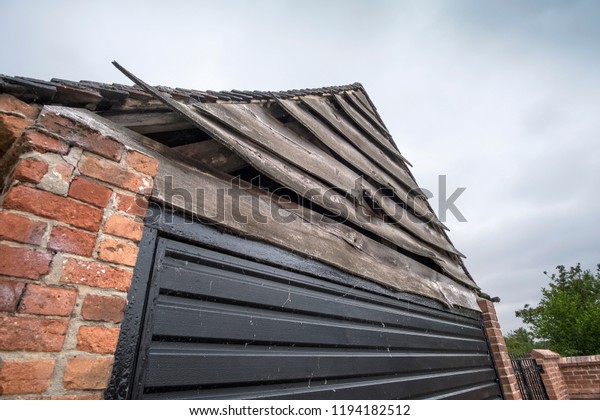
<point x="582" y="376"/>
<point x="552" y="377"/>
<point x="499" y="352"/>
<point x="70" y="219"/>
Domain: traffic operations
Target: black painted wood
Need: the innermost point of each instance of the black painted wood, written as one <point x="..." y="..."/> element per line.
<point x="129" y="337"/>
<point x="231" y="318"/>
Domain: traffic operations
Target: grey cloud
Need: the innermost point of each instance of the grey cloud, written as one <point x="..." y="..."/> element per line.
<point x="502" y="97"/>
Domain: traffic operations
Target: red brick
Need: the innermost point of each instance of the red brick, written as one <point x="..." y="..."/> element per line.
<point x="42" y="300"/>
<point x="95" y="274"/>
<point x="32" y="334"/>
<point x="30" y="170"/>
<point x="14" y="227"/>
<point x="64" y="171"/>
<point x="26" y="263"/>
<point x="86" y="396"/>
<point x="118" y="251"/>
<point x="103" y="308"/>
<point x="43" y="142"/>
<point x="135" y="205"/>
<point x="11" y="128"/>
<point x="100" y="340"/>
<point x="124" y="226"/>
<point x="87" y="373"/>
<point x="70" y="240"/>
<point x="90" y="192"/>
<point x="82" y="136"/>
<point x="46" y="204"/>
<point x="11" y="104"/>
<point x="142" y="163"/>
<point x="25" y="376"/>
<point x="111" y="173"/>
<point x="10" y="293"/>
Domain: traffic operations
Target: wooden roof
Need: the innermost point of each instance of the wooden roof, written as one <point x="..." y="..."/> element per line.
<point x="327" y="147"/>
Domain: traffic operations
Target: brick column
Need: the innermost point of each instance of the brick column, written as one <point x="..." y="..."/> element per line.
<point x="552" y="376"/>
<point x="70" y="220"/>
<point x="504" y="368"/>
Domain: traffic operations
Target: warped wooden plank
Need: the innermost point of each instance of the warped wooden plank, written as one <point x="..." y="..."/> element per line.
<point x="350" y="153"/>
<point x="453" y="269"/>
<point x="332" y="140"/>
<point x="347" y="129"/>
<point x="321" y="195"/>
<point x="362" y="97"/>
<point x="213" y="154"/>
<point x="366" y="126"/>
<point x="366" y="111"/>
<point x="151" y="122"/>
<point x="450" y="266"/>
<point x="322" y="107"/>
<point x="255" y="122"/>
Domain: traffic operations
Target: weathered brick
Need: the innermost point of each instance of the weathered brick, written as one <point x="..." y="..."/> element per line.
<point x="19" y="377"/>
<point x="118" y="251"/>
<point x="42" y="300"/>
<point x="11" y="104"/>
<point x="82" y="136"/>
<point x="11" y="128"/>
<point x="87" y="373"/>
<point x="90" y="192"/>
<point x="111" y="173"/>
<point x="14" y="227"/>
<point x="46" y="204"/>
<point x="135" y="205"/>
<point x="63" y="171"/>
<point x="142" y="163"/>
<point x="10" y="293"/>
<point x="42" y="142"/>
<point x="93" y="339"/>
<point x="95" y="274"/>
<point x="70" y="240"/>
<point x="32" y="334"/>
<point x="124" y="226"/>
<point x="80" y="396"/>
<point x="30" y="170"/>
<point x="22" y="262"/>
<point x="102" y="308"/>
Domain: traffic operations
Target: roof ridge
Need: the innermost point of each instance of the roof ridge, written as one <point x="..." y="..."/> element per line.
<point x="35" y="90"/>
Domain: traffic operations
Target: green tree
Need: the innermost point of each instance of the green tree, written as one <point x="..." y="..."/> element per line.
<point x="520" y="341"/>
<point x="568" y="316"/>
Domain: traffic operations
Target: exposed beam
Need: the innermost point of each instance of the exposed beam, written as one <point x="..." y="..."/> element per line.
<point x="213" y="154"/>
<point x="150" y="122"/>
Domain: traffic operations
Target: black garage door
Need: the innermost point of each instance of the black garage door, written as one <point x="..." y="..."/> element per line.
<point x="218" y="325"/>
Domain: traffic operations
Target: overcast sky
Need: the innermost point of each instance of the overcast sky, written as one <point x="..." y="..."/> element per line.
<point x="501" y="97"/>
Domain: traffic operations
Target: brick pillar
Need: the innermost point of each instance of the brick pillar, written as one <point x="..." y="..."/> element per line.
<point x="552" y="376"/>
<point x="504" y="368"/>
<point x="70" y="220"/>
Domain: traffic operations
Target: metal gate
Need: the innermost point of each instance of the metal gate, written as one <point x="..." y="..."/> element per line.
<point x="529" y="378"/>
<point x="217" y="316"/>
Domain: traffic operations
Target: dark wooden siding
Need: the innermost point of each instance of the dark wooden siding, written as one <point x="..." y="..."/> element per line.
<point x="219" y="325"/>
